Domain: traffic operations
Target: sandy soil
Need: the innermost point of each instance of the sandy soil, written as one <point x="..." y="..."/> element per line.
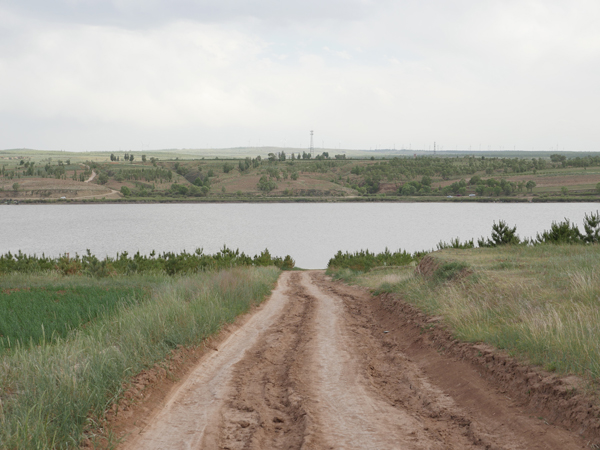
<point x="322" y="365"/>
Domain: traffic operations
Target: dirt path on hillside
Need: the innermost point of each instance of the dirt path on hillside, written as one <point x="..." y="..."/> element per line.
<point x="91" y="177"/>
<point x="316" y="367"/>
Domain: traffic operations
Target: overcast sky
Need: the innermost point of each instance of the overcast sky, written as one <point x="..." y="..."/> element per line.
<point x="151" y="74"/>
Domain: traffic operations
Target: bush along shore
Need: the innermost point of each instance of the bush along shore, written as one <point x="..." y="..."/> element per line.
<point x="75" y="330"/>
<point x="125" y="264"/>
<point x="564" y="232"/>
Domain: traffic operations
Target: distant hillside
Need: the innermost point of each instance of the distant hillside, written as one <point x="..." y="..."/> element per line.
<point x="243" y="152"/>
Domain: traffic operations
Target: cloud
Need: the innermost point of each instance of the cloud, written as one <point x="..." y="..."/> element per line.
<point x="101" y="75"/>
<point x="142" y="13"/>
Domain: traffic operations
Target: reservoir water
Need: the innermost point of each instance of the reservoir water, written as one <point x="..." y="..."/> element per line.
<point x="311" y="233"/>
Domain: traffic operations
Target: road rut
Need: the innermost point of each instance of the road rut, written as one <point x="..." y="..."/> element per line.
<point x="313" y="369"/>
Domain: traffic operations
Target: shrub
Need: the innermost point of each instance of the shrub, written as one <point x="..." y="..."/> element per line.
<point x="502" y="234"/>
<point x="288" y="263"/>
<point x="167" y="263"/>
<point x="449" y="271"/>
<point x="456" y="243"/>
<point x="591" y="225"/>
<point x="266" y="185"/>
<point x="364" y="260"/>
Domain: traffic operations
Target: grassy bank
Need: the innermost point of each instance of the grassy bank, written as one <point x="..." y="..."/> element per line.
<point x="53" y="391"/>
<point x="538" y="302"/>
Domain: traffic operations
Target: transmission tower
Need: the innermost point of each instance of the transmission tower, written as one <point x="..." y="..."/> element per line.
<point x="312" y="147"/>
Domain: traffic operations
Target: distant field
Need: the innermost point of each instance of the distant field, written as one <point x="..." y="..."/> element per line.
<point x="275" y="174"/>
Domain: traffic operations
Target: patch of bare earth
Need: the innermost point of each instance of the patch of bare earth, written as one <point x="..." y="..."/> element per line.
<point x="50" y="188"/>
<point x="560" y="180"/>
<point x="322" y="365"/>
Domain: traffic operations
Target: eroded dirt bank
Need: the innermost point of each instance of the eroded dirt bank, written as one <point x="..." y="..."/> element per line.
<point x="323" y="366"/>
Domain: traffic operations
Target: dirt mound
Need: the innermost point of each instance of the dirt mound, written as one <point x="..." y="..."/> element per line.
<point x="556" y="400"/>
<point x="427" y="266"/>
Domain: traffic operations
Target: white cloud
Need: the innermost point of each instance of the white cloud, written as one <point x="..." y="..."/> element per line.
<point x="369" y="74"/>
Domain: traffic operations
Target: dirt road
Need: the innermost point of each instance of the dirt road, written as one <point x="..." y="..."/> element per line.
<point x="91" y="177"/>
<point x="318" y="367"/>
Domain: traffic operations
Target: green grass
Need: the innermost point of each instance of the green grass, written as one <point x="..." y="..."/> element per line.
<point x="54" y="393"/>
<point x="32" y="315"/>
<point x="540" y="303"/>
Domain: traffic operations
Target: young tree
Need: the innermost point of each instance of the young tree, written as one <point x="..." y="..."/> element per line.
<point x="502" y="234"/>
<point x="564" y="232"/>
<point x="591" y="225"/>
<point x="143" y="158"/>
<point x="266" y="185"/>
<point x="530" y="185"/>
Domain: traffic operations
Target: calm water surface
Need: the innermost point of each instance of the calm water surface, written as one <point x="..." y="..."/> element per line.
<point x="311" y="233"/>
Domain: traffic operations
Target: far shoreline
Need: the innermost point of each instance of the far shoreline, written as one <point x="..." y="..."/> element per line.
<point x="374" y="199"/>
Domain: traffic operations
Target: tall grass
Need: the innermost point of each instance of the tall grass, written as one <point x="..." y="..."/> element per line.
<point x="51" y="392"/>
<point x="542" y="302"/>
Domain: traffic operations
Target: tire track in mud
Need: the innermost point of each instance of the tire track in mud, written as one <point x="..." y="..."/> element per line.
<point x="265" y="408"/>
<point x="191" y="409"/>
<point x="352" y="413"/>
<point x="449" y="397"/>
<point x="306" y="384"/>
<point x="313" y="369"/>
